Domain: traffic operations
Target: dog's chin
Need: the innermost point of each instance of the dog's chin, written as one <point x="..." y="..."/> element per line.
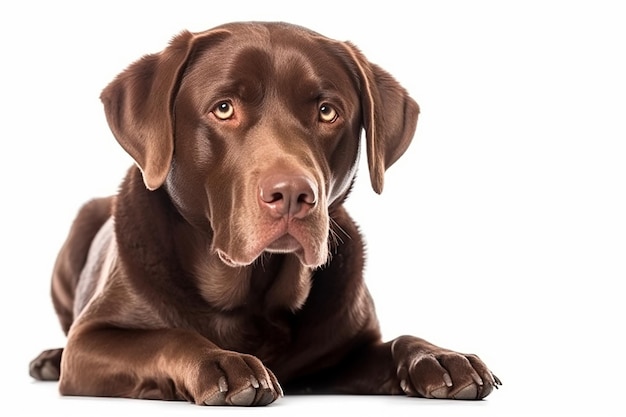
<point x="285" y="244"/>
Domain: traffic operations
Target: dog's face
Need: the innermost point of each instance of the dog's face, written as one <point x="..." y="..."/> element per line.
<point x="271" y="130"/>
<point x="253" y="130"/>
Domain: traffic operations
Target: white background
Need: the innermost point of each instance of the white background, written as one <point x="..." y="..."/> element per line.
<point x="502" y="231"/>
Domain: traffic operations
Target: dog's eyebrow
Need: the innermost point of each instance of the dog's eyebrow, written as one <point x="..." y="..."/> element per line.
<point x="246" y="89"/>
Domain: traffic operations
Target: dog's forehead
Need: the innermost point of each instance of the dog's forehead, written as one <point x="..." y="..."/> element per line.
<point x="267" y="54"/>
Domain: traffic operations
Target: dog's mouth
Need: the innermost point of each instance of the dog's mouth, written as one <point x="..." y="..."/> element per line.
<point x="310" y="253"/>
<point x="296" y="239"/>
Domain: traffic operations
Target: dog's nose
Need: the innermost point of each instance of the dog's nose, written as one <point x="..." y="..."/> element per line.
<point x="288" y="195"/>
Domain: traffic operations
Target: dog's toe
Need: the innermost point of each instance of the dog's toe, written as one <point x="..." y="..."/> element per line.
<point x="244" y="397"/>
<point x="440" y="393"/>
<point x="470" y="392"/>
<point x="218" y="398"/>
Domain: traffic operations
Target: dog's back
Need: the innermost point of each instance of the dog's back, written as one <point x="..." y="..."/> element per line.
<point x="73" y="255"/>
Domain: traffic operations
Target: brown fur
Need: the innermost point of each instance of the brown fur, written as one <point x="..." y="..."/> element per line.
<point x="227" y="263"/>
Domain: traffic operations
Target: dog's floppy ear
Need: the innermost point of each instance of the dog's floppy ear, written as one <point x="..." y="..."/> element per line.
<point x="389" y="116"/>
<point x="138" y="104"/>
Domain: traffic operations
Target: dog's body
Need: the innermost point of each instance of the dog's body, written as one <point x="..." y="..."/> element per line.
<point x="227" y="263"/>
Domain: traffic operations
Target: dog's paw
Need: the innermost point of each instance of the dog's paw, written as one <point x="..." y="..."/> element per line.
<point x="46" y="366"/>
<point x="230" y="378"/>
<point x="428" y="371"/>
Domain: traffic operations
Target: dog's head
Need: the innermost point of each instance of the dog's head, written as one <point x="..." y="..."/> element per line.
<point x="253" y="130"/>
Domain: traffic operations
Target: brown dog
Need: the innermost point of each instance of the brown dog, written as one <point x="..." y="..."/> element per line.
<point x="227" y="262"/>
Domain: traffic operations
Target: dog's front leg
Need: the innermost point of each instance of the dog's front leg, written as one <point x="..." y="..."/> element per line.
<point x="162" y="364"/>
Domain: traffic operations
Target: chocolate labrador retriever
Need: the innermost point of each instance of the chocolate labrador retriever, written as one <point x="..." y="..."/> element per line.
<point x="227" y="262"/>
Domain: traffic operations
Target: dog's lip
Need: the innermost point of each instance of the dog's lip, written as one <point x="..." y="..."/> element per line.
<point x="279" y="239"/>
<point x="289" y="243"/>
<point x="283" y="244"/>
<point x="228" y="260"/>
<point x="294" y="242"/>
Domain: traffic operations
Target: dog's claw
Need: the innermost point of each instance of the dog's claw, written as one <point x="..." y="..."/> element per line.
<point x="496" y="381"/>
<point x="222" y="384"/>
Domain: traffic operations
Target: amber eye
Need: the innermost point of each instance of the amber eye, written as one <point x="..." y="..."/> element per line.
<point x="328" y="114"/>
<point x="224" y="110"/>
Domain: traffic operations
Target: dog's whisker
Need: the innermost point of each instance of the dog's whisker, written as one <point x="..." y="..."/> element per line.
<point x="334" y="224"/>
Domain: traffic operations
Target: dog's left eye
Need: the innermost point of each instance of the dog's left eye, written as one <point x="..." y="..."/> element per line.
<point x="328" y="114"/>
<point x="224" y="110"/>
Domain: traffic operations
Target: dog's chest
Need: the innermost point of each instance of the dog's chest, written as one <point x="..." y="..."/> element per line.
<point x="251" y="310"/>
<point x="264" y="336"/>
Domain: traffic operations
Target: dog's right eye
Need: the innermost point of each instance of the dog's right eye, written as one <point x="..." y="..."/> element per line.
<point x="327" y="113"/>
<point x="224" y="110"/>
